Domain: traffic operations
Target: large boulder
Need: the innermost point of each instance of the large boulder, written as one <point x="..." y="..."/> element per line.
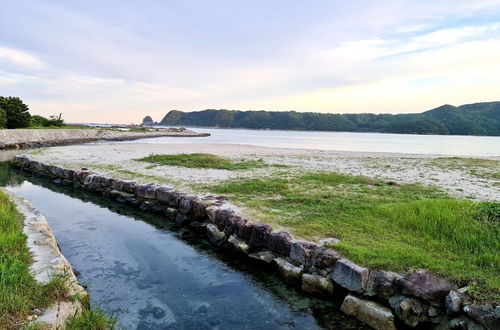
<point x="199" y="208"/>
<point x="215" y="236"/>
<point x="303" y="253"/>
<point x="237" y="245"/>
<point x="350" y="276"/>
<point x="146" y="191"/>
<point x="244" y="228"/>
<point x="280" y="243"/>
<point x="410" y="310"/>
<point x="290" y="273"/>
<point x="175" y="198"/>
<point x="259" y="239"/>
<point x="211" y="212"/>
<point x="163" y="194"/>
<point x="186" y="204"/>
<point x="382" y="284"/>
<point x="221" y="216"/>
<point x="425" y="285"/>
<point x="369" y="312"/>
<point x="317" y="284"/>
<point x="263" y="258"/>
<point x="231" y="224"/>
<point x="454" y="302"/>
<point x="461" y="322"/>
<point x="486" y="317"/>
<point x="126" y="186"/>
<point x="325" y="258"/>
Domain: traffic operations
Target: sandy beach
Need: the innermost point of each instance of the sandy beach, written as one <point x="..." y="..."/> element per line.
<point x="469" y="178"/>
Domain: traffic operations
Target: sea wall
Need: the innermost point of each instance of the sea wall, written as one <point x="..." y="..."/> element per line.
<point x="31" y="138"/>
<point x="381" y="299"/>
<point x="48" y="261"/>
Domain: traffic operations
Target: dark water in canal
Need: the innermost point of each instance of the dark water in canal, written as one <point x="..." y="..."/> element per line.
<point x="136" y="266"/>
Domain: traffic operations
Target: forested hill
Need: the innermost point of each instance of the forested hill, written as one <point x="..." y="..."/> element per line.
<point x="470" y="119"/>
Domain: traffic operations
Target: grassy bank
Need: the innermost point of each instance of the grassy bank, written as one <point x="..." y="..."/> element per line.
<point x="200" y="160"/>
<point x="20" y="293"/>
<point x="383" y="224"/>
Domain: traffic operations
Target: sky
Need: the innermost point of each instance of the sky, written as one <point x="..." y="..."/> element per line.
<point x="113" y="61"/>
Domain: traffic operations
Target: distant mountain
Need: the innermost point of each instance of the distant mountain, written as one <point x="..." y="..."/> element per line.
<point x="469" y="119"/>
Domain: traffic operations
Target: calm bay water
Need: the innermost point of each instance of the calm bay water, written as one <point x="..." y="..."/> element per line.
<point x="136" y="267"/>
<point x="449" y="145"/>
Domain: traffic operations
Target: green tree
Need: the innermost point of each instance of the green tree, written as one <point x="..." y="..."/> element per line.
<point x="17" y="112"/>
<point x="3" y="118"/>
<point x="38" y="121"/>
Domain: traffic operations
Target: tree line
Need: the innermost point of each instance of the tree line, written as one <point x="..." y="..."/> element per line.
<point x="14" y="113"/>
<point x="471" y="119"/>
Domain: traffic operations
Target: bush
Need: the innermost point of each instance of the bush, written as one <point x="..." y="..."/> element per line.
<point x="40" y="121"/>
<point x="3" y="118"/>
<point x="17" y="112"/>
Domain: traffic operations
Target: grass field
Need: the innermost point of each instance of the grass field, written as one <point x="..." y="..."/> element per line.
<point x="200" y="160"/>
<point x="383" y="225"/>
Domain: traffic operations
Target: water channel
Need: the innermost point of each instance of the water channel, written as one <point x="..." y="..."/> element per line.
<point x="152" y="275"/>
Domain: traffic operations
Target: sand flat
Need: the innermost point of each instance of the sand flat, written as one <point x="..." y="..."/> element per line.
<point x="472" y="178"/>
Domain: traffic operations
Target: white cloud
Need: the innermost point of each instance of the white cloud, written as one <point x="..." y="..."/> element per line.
<point x="19" y="59"/>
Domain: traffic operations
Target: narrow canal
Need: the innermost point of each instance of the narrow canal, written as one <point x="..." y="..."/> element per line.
<point x="152" y="275"/>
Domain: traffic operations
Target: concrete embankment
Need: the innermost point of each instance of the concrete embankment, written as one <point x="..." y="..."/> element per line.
<point x="48" y="261"/>
<point x="31" y="138"/>
<point x="381" y="299"/>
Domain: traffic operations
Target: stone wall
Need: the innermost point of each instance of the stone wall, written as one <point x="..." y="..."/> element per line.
<point x="381" y="299"/>
<point x="31" y="138"/>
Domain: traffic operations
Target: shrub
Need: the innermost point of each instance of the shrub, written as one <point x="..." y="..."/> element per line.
<point x="3" y="118"/>
<point x="17" y="112"/>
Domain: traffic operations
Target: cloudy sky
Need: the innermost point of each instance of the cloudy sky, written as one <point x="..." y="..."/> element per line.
<point x="117" y="61"/>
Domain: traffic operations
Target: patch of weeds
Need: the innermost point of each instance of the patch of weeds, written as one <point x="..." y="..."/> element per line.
<point x="488" y="169"/>
<point x="489" y="212"/>
<point x="382" y="224"/>
<point x="138" y="129"/>
<point x="92" y="319"/>
<point x="200" y="160"/>
<point x="39" y="151"/>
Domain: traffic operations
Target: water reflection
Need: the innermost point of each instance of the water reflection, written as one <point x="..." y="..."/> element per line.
<point x="346" y="141"/>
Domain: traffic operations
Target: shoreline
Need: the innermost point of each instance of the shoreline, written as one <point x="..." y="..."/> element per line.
<point x="319" y="131"/>
<point x="35" y="138"/>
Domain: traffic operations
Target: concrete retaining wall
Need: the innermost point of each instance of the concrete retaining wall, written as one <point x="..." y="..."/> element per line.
<point x="30" y="138"/>
<point x="381" y="299"/>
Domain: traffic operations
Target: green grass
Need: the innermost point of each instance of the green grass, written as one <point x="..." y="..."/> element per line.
<point x="91" y="319"/>
<point x="384" y="225"/>
<point x="483" y="168"/>
<point x="19" y="291"/>
<point x="200" y="160"/>
<point x="139" y="129"/>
